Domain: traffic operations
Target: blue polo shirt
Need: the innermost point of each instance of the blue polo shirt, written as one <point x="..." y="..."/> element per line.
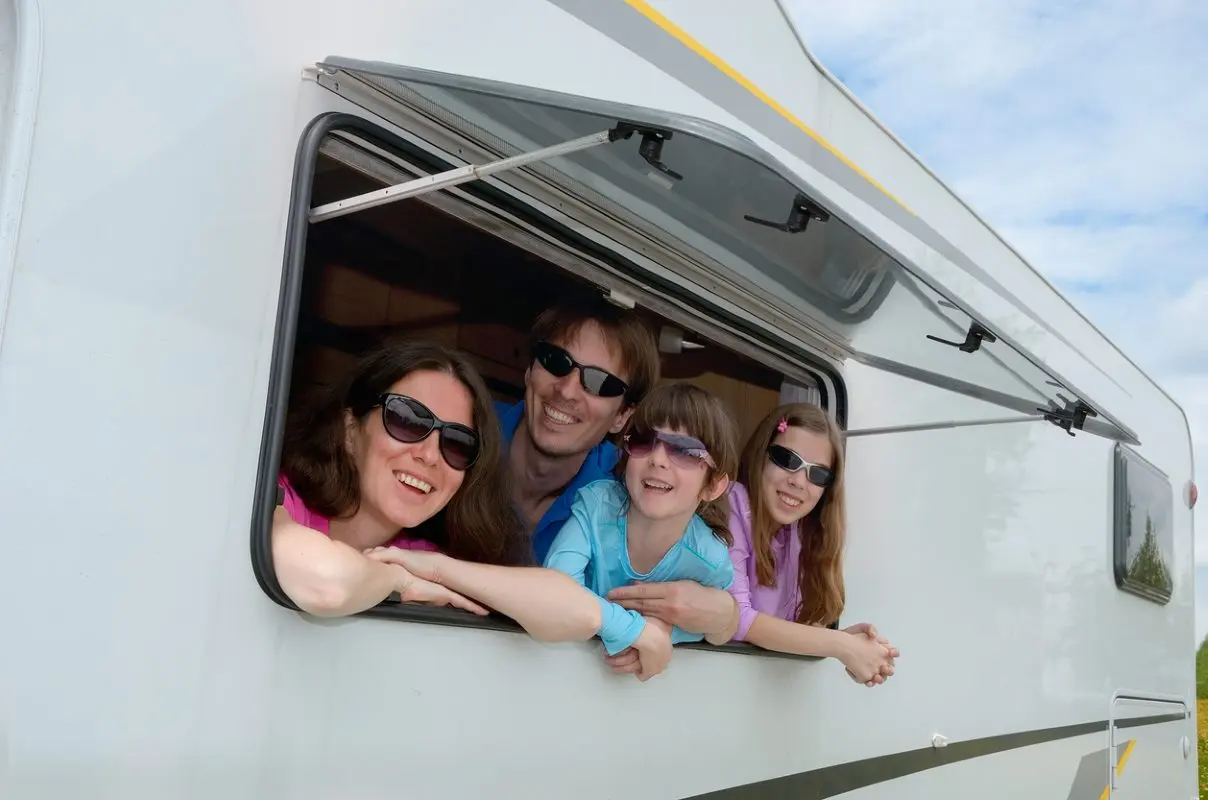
<point x="599" y="464"/>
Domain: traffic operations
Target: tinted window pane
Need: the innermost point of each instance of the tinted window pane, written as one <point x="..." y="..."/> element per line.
<point x="1143" y="528"/>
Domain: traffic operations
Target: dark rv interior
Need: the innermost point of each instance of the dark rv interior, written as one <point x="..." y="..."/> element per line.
<point x="408" y="269"/>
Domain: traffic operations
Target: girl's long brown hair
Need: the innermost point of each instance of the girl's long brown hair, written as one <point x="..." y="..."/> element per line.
<point x="822" y="531"/>
<point x="696" y="412"/>
<point x="478" y="524"/>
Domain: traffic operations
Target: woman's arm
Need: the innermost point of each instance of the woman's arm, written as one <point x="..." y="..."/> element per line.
<point x="550" y="606"/>
<point x="327" y="578"/>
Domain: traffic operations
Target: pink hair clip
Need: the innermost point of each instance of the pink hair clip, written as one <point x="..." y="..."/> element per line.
<point x="782" y="426"/>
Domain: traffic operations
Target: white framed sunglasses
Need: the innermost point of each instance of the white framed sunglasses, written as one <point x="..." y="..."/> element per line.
<point x="789" y="461"/>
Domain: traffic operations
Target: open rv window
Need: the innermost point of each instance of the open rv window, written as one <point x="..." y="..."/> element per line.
<point x="1143" y="528"/>
<point x="710" y="205"/>
<point x="435" y="267"/>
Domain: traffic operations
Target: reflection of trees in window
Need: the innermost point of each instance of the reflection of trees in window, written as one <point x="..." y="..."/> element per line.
<point x="1145" y="552"/>
<point x="1147" y="566"/>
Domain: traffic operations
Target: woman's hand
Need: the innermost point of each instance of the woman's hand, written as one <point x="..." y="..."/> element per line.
<point x="654" y="649"/>
<point x="419" y="578"/>
<point x="424" y="564"/>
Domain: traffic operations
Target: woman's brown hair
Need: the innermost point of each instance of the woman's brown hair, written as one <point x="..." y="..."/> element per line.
<point x="478" y="524"/>
<point x="822" y="531"/>
<point x="682" y="406"/>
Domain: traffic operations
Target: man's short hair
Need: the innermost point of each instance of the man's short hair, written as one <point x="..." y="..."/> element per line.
<point x="624" y="330"/>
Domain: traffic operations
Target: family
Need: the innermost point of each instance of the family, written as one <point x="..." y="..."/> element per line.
<point x="405" y="477"/>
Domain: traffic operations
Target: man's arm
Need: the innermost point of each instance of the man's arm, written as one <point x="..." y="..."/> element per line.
<point x="684" y="604"/>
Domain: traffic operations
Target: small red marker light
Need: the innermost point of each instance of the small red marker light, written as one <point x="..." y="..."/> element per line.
<point x="1193" y="494"/>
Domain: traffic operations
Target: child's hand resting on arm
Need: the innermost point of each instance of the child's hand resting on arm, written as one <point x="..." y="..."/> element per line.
<point x="653" y="648"/>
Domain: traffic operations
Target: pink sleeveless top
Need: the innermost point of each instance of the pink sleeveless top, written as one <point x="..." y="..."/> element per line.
<point x="302" y="515"/>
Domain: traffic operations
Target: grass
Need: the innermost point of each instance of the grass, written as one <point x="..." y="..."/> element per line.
<point x="1201" y="714"/>
<point x="1202" y="728"/>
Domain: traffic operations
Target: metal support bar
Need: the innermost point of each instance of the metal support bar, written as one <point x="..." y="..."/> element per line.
<point x="937" y="426"/>
<point x="453" y="177"/>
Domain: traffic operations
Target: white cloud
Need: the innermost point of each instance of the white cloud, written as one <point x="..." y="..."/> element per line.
<point x="1078" y="130"/>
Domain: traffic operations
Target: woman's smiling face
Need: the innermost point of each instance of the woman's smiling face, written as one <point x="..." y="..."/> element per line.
<point x="403" y="484"/>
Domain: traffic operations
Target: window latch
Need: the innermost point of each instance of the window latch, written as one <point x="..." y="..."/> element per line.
<point x="651" y="148"/>
<point x="1071" y="417"/>
<point x="973" y="339"/>
<point x="800" y="214"/>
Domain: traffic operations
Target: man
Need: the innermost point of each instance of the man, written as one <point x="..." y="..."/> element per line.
<point x="592" y="363"/>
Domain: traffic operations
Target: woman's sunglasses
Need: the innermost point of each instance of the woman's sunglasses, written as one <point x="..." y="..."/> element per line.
<point x="559" y="363"/>
<point x="789" y="461"/>
<point x="682" y="450"/>
<point x="408" y="420"/>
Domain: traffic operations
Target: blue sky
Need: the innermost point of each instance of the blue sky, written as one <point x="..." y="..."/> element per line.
<point x="1080" y="131"/>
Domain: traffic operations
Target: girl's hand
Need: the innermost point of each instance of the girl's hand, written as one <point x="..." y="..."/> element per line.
<point x="867" y="660"/>
<point x="625" y="662"/>
<point x="654" y="650"/>
<point x="628" y="661"/>
<point x="867" y="629"/>
<point x="870" y="631"/>
<point x="419" y="578"/>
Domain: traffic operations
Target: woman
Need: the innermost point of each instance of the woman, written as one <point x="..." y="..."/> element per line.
<point x="787" y="518"/>
<point x="405" y="453"/>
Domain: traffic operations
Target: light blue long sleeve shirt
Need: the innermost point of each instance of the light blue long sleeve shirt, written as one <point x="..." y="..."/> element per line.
<point x="591" y="548"/>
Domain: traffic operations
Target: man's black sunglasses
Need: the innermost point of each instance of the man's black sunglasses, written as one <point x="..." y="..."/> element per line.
<point x="559" y="363"/>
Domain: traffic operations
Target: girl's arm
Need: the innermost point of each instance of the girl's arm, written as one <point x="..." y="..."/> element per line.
<point x="327" y="578"/>
<point x="569" y="554"/>
<point x="619" y="628"/>
<point x="864" y="657"/>
<point x="549" y="605"/>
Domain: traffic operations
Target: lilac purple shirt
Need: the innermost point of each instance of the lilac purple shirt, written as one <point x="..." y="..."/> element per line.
<point x="780" y="600"/>
<point x="302" y="515"/>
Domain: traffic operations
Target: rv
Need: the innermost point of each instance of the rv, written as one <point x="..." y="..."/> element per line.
<point x="207" y="209"/>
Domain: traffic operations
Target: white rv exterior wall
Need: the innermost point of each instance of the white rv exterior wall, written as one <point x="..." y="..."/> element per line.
<point x="143" y="660"/>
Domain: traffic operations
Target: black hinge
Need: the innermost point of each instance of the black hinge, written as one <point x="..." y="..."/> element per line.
<point x="803" y="210"/>
<point x="651" y="148"/>
<point x="1070" y="418"/>
<point x="973" y="339"/>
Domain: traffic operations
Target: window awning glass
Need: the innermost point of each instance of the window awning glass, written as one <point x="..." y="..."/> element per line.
<point x="713" y="196"/>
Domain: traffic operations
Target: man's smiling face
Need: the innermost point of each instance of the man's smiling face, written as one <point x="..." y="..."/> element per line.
<point x="562" y="418"/>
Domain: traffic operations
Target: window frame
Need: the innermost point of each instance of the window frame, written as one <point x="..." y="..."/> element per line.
<point x="268" y="495"/>
<point x="1124" y="503"/>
